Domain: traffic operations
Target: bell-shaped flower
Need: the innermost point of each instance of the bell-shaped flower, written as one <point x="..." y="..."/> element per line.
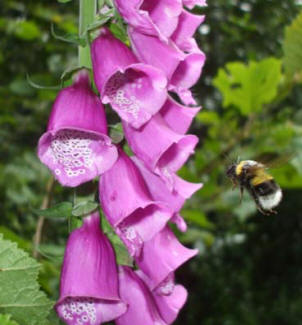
<point x="144" y="306"/>
<point x="192" y="3"/>
<point x="89" y="292"/>
<point x="136" y="91"/>
<point x="169" y="297"/>
<point x="182" y="69"/>
<point x="128" y="205"/>
<point x="159" y="190"/>
<point x="76" y="147"/>
<point x="161" y="149"/>
<point x="166" y="252"/>
<point x="186" y="28"/>
<point x="186" y="75"/>
<point x="152" y="17"/>
<point x="177" y="116"/>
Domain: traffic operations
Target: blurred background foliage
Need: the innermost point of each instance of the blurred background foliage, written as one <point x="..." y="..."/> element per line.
<point x="249" y="270"/>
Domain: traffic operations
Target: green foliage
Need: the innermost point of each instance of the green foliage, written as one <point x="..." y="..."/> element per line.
<point x="292" y="47"/>
<point x="6" y="320"/>
<point x="249" y="87"/>
<point x="20" y="294"/>
<point x="60" y="210"/>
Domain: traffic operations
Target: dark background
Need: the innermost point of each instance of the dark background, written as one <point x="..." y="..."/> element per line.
<point x="249" y="270"/>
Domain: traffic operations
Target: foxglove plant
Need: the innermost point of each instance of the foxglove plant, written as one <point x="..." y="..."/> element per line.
<point x="76" y="147"/>
<point x="139" y="195"/>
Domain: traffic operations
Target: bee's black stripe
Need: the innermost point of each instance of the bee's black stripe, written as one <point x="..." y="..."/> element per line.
<point x="266" y="188"/>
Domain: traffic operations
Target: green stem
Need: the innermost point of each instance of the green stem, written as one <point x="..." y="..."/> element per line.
<point x="86" y="17"/>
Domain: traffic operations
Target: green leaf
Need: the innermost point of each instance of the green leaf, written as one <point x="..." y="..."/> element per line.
<point x="60" y="210"/>
<point x="67" y="74"/>
<point x="21" y="87"/>
<point x="69" y="38"/>
<point x="198" y="217"/>
<point x="36" y="86"/>
<point x="27" y="30"/>
<point x="20" y="295"/>
<point x="83" y="208"/>
<point x="6" y="320"/>
<point x="64" y="1"/>
<point x="292" y="47"/>
<point x="100" y="20"/>
<point x="249" y="87"/>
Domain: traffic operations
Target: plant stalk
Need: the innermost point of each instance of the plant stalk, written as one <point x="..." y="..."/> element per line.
<point x="87" y="15"/>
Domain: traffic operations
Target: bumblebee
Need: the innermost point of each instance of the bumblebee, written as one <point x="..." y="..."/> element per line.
<point x="252" y="176"/>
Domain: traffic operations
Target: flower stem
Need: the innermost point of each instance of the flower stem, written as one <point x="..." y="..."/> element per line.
<point x="86" y="17"/>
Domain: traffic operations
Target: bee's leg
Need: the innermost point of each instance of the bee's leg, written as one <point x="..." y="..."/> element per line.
<point x="255" y="197"/>
<point x="241" y="193"/>
<point x="234" y="183"/>
<point x="273" y="211"/>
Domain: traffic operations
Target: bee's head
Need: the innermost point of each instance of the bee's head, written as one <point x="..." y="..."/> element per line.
<point x="231" y="171"/>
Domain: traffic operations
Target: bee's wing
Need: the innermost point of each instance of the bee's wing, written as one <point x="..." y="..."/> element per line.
<point x="274" y="160"/>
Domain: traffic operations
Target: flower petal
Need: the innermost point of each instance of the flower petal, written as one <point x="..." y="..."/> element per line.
<point x="151" y="50"/>
<point x="89" y="283"/>
<point x="167" y="253"/>
<point x="186" y="75"/>
<point x="158" y="146"/>
<point x="192" y="3"/>
<point x="128" y="205"/>
<point x="183" y="35"/>
<point x="76" y="147"/>
<point x="135" y="91"/>
<point x="152" y="17"/>
<point x="177" y="116"/>
<point x="161" y="193"/>
<point x="142" y="308"/>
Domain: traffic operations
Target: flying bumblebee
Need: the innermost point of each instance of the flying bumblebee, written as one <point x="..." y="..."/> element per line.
<point x="252" y="176"/>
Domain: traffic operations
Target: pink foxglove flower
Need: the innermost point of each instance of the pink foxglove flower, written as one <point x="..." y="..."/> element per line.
<point x="89" y="292"/>
<point x="183" y="35"/>
<point x="146" y="307"/>
<point x="76" y="147"/>
<point x="169" y="297"/>
<point x="167" y="253"/>
<point x="161" y="149"/>
<point x="129" y="206"/>
<point x="182" y="69"/>
<point x="175" y="199"/>
<point x="136" y="91"/>
<point x="153" y="17"/>
<point x="177" y="116"/>
<point x="192" y="3"/>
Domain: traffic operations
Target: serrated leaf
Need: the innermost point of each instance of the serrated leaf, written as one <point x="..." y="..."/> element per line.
<point x="249" y="87"/>
<point x="6" y="320"/>
<point x="60" y="210"/>
<point x="83" y="208"/>
<point x="292" y="47"/>
<point x="20" y="294"/>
